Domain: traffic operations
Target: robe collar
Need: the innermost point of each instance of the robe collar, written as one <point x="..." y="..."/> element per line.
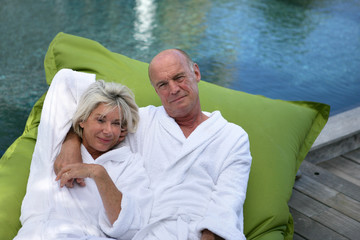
<point x="202" y="134"/>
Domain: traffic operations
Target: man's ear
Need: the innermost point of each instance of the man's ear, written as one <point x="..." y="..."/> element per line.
<point x="197" y="72"/>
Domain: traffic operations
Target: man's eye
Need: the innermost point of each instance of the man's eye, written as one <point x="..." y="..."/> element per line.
<point x="180" y="78"/>
<point x="161" y="85"/>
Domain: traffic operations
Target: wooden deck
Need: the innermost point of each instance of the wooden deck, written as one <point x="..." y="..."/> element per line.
<point x="325" y="203"/>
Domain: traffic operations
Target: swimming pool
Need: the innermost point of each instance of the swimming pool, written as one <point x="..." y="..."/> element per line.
<point x="292" y="50"/>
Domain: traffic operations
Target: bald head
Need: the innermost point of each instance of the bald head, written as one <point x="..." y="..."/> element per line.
<point x="167" y="55"/>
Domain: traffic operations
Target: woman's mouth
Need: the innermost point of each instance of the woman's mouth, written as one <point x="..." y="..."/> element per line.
<point x="105" y="140"/>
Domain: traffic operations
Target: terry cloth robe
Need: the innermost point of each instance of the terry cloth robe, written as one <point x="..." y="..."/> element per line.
<point x="50" y="212"/>
<point x="198" y="182"/>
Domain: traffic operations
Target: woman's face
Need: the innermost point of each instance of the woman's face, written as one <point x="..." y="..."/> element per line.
<point x="101" y="131"/>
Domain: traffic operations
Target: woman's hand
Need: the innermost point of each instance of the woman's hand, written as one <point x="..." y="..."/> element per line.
<point x="78" y="171"/>
<point x="110" y="195"/>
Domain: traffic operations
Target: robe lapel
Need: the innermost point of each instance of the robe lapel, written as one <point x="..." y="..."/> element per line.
<point x="193" y="146"/>
<point x="170" y="126"/>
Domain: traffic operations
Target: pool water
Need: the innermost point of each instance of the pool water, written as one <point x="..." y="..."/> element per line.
<point x="291" y="50"/>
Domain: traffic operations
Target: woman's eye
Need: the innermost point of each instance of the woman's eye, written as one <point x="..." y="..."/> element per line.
<point x="100" y="120"/>
<point x="116" y="123"/>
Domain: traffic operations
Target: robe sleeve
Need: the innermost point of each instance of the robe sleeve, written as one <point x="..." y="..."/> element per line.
<point x="228" y="197"/>
<point x="136" y="203"/>
<point x="58" y="108"/>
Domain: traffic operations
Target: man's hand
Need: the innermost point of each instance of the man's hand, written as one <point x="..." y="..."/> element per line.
<point x="207" y="235"/>
<point x="123" y="134"/>
<point x="70" y="153"/>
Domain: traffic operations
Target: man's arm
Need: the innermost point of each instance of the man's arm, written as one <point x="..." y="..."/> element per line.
<point x="229" y="193"/>
<point x="70" y="153"/>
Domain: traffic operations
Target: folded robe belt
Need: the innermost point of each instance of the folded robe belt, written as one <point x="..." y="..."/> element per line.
<point x="181" y="217"/>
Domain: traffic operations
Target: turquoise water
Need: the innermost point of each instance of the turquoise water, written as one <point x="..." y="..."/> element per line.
<point x="292" y="50"/>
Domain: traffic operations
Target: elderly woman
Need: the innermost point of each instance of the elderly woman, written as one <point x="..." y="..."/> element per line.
<point x="115" y="201"/>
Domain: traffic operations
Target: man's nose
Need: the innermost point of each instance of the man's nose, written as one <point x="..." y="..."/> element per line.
<point x="174" y="87"/>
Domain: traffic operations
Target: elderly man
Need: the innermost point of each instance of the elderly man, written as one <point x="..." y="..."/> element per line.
<point x="198" y="163"/>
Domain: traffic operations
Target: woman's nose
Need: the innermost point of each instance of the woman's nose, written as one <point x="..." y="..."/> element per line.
<point x="107" y="128"/>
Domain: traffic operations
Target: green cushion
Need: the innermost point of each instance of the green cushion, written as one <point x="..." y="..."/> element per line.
<point x="281" y="134"/>
<point x="14" y="172"/>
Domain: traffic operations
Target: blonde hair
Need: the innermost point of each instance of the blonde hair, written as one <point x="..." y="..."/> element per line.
<point x="113" y="95"/>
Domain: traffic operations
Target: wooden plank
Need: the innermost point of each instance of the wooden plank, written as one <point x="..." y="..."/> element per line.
<point x="314" y="189"/>
<point x="328" y="196"/>
<point x="346" y="205"/>
<point x="309" y="213"/>
<point x="343" y="168"/>
<point x="330" y="180"/>
<point x="340" y="223"/>
<point x="298" y="237"/>
<point x="346" y="165"/>
<point x="312" y="230"/>
<point x="305" y="205"/>
<point x="354" y="155"/>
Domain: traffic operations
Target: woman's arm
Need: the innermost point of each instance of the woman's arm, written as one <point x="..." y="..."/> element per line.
<point x="110" y="195"/>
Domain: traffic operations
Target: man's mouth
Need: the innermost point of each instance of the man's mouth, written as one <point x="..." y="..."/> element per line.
<point x="176" y="99"/>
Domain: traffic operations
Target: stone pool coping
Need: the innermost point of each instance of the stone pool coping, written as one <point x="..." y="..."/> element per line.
<point x="341" y="134"/>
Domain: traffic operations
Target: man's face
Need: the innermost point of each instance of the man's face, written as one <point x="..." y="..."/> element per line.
<point x="176" y="84"/>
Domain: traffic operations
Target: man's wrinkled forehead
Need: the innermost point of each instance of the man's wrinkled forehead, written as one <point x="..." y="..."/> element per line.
<point x="167" y="63"/>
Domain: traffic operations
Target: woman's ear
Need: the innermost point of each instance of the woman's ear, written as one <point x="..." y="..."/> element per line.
<point x="81" y="124"/>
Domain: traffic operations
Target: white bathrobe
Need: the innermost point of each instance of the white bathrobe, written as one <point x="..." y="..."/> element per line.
<point x="50" y="212"/>
<point x="198" y="182"/>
